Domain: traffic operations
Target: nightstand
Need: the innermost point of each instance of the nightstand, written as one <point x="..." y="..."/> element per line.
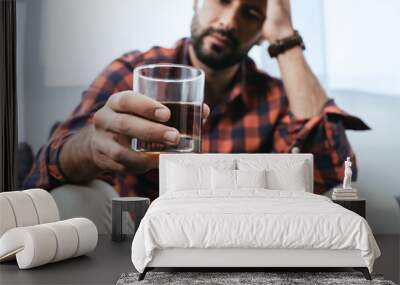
<point x="357" y="205"/>
<point x="120" y="205"/>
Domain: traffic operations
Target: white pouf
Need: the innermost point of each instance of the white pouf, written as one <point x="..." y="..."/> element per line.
<point x="30" y="230"/>
<point x="37" y="245"/>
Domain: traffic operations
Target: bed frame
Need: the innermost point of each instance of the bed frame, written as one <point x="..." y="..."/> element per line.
<point x="246" y="259"/>
<point x="249" y="259"/>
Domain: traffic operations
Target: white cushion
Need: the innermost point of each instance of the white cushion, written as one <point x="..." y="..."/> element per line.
<point x="223" y="179"/>
<point x="281" y="175"/>
<point x="251" y="178"/>
<point x="187" y="177"/>
<point x="236" y="179"/>
<point x="291" y="179"/>
<point x="169" y="176"/>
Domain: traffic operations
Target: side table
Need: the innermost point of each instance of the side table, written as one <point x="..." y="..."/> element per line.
<point x="138" y="205"/>
<point x="357" y="205"/>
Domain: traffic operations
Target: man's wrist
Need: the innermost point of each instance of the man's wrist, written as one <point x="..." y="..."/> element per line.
<point x="76" y="160"/>
<point x="286" y="44"/>
<point x="280" y="34"/>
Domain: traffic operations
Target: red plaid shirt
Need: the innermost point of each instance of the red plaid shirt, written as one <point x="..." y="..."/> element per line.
<point x="255" y="118"/>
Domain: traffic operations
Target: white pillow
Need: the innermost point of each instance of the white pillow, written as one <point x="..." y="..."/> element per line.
<point x="251" y="178"/>
<point x="235" y="179"/>
<point x="223" y="179"/>
<point x="292" y="179"/>
<point x="187" y="177"/>
<point x="280" y="174"/>
<point x="184" y="174"/>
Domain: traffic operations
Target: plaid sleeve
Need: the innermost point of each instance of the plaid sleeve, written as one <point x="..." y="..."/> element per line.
<point x="46" y="172"/>
<point x="324" y="136"/>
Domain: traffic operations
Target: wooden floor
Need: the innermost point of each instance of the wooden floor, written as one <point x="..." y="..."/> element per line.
<point x="389" y="262"/>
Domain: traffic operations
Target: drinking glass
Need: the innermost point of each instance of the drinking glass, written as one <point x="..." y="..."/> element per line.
<point x="181" y="89"/>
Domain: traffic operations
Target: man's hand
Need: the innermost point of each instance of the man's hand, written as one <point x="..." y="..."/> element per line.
<point x="278" y="22"/>
<point x="106" y="145"/>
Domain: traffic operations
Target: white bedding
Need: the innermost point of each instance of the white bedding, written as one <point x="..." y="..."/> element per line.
<point x="250" y="218"/>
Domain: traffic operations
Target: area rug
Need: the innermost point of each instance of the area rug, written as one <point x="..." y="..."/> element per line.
<point x="243" y="278"/>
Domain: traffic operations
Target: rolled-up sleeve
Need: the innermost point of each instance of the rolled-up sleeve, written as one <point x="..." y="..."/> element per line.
<point x="46" y="172"/>
<point x="324" y="136"/>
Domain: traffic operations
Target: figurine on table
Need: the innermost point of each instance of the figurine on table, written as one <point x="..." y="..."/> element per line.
<point x="346" y="192"/>
<point x="347" y="174"/>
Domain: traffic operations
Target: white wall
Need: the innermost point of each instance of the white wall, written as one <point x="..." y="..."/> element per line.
<point x="81" y="37"/>
<point x="363" y="45"/>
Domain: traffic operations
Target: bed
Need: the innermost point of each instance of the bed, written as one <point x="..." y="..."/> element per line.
<point x="245" y="211"/>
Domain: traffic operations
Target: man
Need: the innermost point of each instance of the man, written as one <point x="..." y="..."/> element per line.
<point x="250" y="111"/>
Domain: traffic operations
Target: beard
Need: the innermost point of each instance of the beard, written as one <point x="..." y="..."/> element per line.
<point x="217" y="57"/>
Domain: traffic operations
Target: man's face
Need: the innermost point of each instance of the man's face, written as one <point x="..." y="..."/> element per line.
<point x="223" y="31"/>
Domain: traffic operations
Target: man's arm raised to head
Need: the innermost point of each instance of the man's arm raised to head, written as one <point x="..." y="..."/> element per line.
<point x="305" y="94"/>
